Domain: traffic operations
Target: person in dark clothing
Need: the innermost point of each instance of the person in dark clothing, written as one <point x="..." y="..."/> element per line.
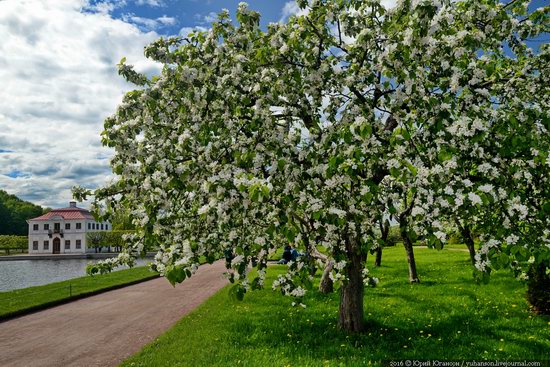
<point x="287" y="255"/>
<point x="294" y="254"/>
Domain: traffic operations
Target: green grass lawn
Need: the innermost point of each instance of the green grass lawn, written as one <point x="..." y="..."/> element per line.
<point x="21" y="301"/>
<point x="447" y="316"/>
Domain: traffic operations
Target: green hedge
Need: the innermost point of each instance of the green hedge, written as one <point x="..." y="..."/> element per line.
<point x="14" y="242"/>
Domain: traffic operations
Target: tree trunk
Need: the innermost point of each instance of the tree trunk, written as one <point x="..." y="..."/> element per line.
<point x="378" y="260"/>
<point x="384" y="231"/>
<point x="351" y="296"/>
<point x="538" y="291"/>
<point x="471" y="249"/>
<point x="326" y="285"/>
<point x="407" y="243"/>
<point x="468" y="239"/>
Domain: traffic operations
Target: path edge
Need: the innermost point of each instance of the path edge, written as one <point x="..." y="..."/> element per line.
<point x="50" y="304"/>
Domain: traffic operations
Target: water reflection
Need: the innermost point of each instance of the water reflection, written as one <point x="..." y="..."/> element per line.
<point x="29" y="273"/>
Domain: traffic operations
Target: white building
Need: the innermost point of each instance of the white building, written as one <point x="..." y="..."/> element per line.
<point x="62" y="231"/>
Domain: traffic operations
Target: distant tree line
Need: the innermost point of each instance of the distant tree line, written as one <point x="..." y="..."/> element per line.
<point x="112" y="240"/>
<point x="14" y="213"/>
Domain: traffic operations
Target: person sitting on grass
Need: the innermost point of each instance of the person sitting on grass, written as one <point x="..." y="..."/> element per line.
<point x="287" y="255"/>
<point x="294" y="254"/>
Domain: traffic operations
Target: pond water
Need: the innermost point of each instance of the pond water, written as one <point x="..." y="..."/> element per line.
<point x="29" y="273"/>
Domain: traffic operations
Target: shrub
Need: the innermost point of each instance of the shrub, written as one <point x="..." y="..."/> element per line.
<point x="13" y="242"/>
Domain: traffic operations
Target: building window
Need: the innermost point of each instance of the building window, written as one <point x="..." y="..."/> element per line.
<point x="106" y="227"/>
<point x="56" y="226"/>
<point x="46" y="226"/>
<point x="67" y="244"/>
<point x="35" y="227"/>
<point x="35" y="245"/>
<point x="78" y="244"/>
<point x="94" y="226"/>
<point x="79" y="226"/>
<point x="102" y="226"/>
<point x="67" y="225"/>
<point x="89" y="225"/>
<point x="46" y="245"/>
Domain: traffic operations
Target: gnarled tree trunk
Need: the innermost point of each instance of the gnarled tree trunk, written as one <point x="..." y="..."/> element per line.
<point x="326" y="285"/>
<point x="351" y="316"/>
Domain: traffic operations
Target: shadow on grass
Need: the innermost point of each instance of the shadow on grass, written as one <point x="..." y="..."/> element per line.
<point x="454" y="336"/>
<point x="447" y="317"/>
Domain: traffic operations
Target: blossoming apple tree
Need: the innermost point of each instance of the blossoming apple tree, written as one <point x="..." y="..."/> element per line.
<point x="251" y="138"/>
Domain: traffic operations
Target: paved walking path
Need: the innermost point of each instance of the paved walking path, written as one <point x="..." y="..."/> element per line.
<point x="105" y="329"/>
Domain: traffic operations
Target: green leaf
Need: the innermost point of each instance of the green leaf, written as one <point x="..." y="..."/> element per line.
<point x="411" y="168"/>
<point x="504" y="259"/>
<point x="365" y="131"/>
<point x="175" y="274"/>
<point x="237" y="292"/>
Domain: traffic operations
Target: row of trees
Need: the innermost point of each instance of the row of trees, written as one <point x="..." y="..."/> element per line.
<point x="107" y="239"/>
<point x="315" y="131"/>
<point x="14" y="213"/>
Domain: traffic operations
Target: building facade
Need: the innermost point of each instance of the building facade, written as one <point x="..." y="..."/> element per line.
<point x="63" y="231"/>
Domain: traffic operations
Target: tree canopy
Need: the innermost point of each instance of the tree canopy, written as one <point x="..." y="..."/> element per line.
<point x="14" y="213"/>
<point x="313" y="131"/>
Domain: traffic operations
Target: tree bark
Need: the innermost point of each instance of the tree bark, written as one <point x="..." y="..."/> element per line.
<point x="384" y="231"/>
<point x="407" y="243"/>
<point x="466" y="234"/>
<point x="471" y="248"/>
<point x="351" y="316"/>
<point x="538" y="293"/>
<point x="326" y="285"/>
<point x="378" y="259"/>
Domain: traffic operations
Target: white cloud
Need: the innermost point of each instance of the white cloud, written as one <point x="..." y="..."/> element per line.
<point x="153" y="3"/>
<point x="149" y="24"/>
<point x="186" y="30"/>
<point x="291" y="8"/>
<point x="107" y="6"/>
<point x="59" y="82"/>
<point x="208" y="18"/>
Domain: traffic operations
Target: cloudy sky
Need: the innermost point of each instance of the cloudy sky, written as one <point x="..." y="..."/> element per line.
<point x="59" y="82"/>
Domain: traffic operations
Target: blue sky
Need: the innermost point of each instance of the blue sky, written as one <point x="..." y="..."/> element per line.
<point x="186" y="13"/>
<point x="59" y="81"/>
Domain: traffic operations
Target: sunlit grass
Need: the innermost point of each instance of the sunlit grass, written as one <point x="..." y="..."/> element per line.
<point x="447" y="316"/>
<point x="23" y="300"/>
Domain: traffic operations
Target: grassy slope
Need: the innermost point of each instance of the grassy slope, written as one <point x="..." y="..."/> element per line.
<point x="447" y="316"/>
<point x="24" y="300"/>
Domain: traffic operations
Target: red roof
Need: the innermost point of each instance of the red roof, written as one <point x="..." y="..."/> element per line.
<point x="67" y="214"/>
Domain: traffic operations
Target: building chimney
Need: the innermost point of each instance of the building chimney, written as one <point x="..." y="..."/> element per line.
<point x="72" y="204"/>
